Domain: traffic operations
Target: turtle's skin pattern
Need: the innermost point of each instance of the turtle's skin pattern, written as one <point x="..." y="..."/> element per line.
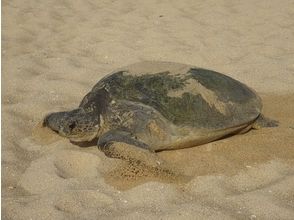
<point x="159" y="106"/>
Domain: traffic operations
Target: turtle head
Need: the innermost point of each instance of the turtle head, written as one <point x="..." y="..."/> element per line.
<point x="76" y="125"/>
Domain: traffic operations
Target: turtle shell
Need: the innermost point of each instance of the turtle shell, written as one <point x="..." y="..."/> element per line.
<point x="185" y="95"/>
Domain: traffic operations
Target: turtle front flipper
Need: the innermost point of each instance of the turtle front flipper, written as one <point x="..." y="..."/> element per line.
<point x="123" y="145"/>
<point x="119" y="136"/>
<point x="141" y="162"/>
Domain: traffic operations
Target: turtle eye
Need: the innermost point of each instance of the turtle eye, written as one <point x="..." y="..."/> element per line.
<point x="72" y="125"/>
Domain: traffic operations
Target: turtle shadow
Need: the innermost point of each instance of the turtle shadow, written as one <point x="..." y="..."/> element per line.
<point x="86" y="144"/>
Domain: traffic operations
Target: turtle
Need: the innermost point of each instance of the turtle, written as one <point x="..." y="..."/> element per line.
<point x="153" y="106"/>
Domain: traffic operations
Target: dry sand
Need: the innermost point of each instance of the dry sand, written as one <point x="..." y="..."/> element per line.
<point x="54" y="51"/>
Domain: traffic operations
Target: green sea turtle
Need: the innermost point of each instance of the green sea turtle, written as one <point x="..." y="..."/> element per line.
<point x="155" y="106"/>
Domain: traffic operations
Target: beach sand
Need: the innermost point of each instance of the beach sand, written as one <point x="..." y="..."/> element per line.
<point x="54" y="51"/>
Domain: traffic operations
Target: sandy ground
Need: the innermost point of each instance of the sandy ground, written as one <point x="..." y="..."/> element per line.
<point x="54" y="51"/>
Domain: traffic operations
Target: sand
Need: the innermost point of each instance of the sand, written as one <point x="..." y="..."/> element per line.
<point x="54" y="51"/>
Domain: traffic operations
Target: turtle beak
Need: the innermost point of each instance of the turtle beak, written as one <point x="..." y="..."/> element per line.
<point x="53" y="120"/>
<point x="45" y="121"/>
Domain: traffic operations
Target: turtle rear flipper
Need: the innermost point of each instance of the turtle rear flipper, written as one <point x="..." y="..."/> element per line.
<point x="263" y="121"/>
